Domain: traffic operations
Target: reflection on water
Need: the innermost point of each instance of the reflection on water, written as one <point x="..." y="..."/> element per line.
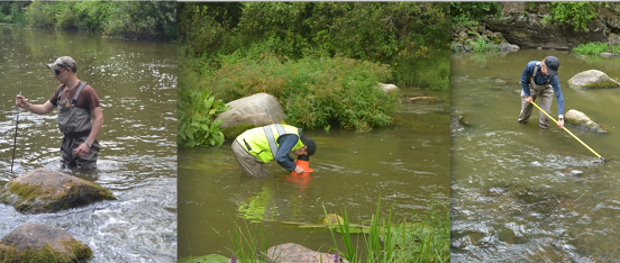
<point x="403" y="164"/>
<point x="524" y="194"/>
<point x="136" y="83"/>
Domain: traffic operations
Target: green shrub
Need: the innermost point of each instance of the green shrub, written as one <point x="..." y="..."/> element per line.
<point x="42" y="14"/>
<point x="467" y="13"/>
<point x="403" y="35"/>
<point x="141" y="19"/>
<point x="196" y="111"/>
<point x="313" y="91"/>
<point x="579" y="13"/>
<point x="481" y="45"/>
<point x="13" y="12"/>
<point x="594" y="48"/>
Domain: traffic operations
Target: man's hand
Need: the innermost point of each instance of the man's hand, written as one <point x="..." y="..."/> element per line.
<point x="561" y="123"/>
<point x="21" y="101"/>
<point x="82" y="150"/>
<point x="528" y="99"/>
<point x="299" y="170"/>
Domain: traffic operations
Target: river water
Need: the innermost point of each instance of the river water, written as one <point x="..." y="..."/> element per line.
<point x="521" y="194"/>
<point x="406" y="164"/>
<point x="136" y="83"/>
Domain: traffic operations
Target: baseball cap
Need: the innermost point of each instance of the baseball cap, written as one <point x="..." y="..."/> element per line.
<point x="310" y="143"/>
<point x="63" y="62"/>
<point x="552" y="64"/>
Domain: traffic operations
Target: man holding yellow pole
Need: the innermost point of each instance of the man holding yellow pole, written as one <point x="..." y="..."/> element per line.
<point x="540" y="79"/>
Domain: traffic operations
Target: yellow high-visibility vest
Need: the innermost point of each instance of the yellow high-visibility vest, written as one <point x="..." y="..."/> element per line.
<point x="262" y="142"/>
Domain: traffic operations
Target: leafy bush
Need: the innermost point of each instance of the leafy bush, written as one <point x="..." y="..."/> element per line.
<point x="196" y="111"/>
<point x="579" y="13"/>
<point x="591" y="48"/>
<point x="481" y="45"/>
<point x="313" y="91"/>
<point x="467" y="13"/>
<point x="42" y="14"/>
<point x="403" y="35"/>
<point x="13" y="12"/>
<point x="141" y="19"/>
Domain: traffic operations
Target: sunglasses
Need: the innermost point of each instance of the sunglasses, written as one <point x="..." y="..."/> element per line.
<point x="58" y="72"/>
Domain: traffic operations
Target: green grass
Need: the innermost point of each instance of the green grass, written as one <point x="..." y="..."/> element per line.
<point x="595" y="48"/>
<point x="423" y="239"/>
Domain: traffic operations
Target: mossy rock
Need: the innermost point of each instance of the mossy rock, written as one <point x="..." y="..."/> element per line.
<point x="581" y="120"/>
<point x="592" y="79"/>
<point x="46" y="191"/>
<point x="41" y="243"/>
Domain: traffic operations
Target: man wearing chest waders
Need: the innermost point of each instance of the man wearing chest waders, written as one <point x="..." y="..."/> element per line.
<point x="540" y="79"/>
<point x="261" y="145"/>
<point x="79" y="115"/>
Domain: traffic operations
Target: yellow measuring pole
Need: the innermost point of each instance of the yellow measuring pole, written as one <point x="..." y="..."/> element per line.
<point x="571" y="134"/>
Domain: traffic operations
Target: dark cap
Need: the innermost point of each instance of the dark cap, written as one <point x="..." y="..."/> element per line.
<point x="552" y="64"/>
<point x="310" y="143"/>
<point x="63" y="62"/>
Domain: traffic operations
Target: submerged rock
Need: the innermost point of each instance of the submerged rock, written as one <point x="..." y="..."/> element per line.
<point x="592" y="79"/>
<point x="41" y="243"/>
<point x="608" y="54"/>
<point x="46" y="191"/>
<point x="581" y="120"/>
<point x="427" y="99"/>
<point x="260" y="109"/>
<point x="294" y="253"/>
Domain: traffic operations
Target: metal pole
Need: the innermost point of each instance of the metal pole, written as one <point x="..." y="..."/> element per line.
<point x="15" y="140"/>
<point x="570" y="133"/>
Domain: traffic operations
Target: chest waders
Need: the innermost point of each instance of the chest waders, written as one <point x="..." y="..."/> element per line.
<point x="545" y="93"/>
<point x="75" y="123"/>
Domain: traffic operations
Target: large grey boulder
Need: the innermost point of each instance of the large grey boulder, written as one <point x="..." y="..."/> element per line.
<point x="581" y="120"/>
<point x="259" y="109"/>
<point x="41" y="243"/>
<point x="45" y="191"/>
<point x="592" y="79"/>
<point x="294" y="253"/>
<point x="614" y="39"/>
<point x="507" y="47"/>
<point x="388" y="88"/>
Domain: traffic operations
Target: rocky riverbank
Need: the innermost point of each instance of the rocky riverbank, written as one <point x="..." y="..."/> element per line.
<point x="523" y="25"/>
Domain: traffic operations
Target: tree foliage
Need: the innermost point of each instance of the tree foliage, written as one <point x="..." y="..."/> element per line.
<point x="578" y="13"/>
<point x="136" y="19"/>
<point x="404" y="35"/>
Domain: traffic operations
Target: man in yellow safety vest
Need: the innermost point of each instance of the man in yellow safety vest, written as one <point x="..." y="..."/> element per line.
<point x="261" y="145"/>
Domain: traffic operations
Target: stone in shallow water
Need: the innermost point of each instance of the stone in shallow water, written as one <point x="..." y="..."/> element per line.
<point x="294" y="253"/>
<point x="41" y="243"/>
<point x="592" y="79"/>
<point x="582" y="121"/>
<point x="46" y="191"/>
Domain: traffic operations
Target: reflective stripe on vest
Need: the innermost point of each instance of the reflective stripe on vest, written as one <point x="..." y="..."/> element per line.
<point x="271" y="140"/>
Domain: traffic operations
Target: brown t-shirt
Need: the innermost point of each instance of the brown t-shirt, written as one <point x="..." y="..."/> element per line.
<point x="88" y="98"/>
